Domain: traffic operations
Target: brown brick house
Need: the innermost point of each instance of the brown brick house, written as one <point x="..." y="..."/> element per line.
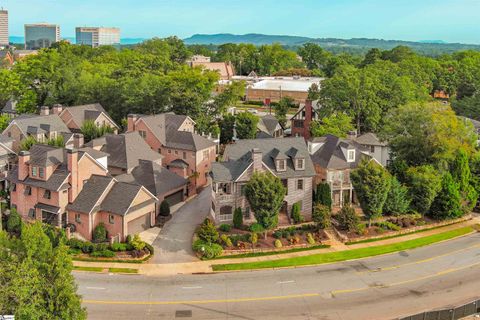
<point x="286" y="158"/>
<point x="123" y="208"/>
<point x="300" y="122"/>
<point x="75" y="116"/>
<point x="174" y="137"/>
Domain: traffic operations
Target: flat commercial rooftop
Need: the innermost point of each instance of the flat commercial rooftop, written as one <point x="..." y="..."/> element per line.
<point x="286" y="84"/>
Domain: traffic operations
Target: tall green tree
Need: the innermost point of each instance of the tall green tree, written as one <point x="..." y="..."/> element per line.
<point x="337" y="124"/>
<point x="424" y="183"/>
<point x="265" y="193"/>
<point x="398" y="199"/>
<point x="246" y="125"/>
<point x="227" y="125"/>
<point x="323" y="195"/>
<point x="372" y="184"/>
<point x="447" y="204"/>
<point x="282" y="108"/>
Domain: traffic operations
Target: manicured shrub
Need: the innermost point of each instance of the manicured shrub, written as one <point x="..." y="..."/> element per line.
<point x="137" y="243"/>
<point x="226" y="240"/>
<point x="322" y="216"/>
<point x="278" y="243"/>
<point x="150" y="248"/>
<point x="277" y="234"/>
<point x="208" y="232"/>
<point x="253" y="238"/>
<point x="347" y="218"/>
<point x="87" y="247"/>
<point x="296" y="215"/>
<point x="387" y="225"/>
<point x="256" y="228"/>
<point x="14" y="222"/>
<point x="323" y="195"/>
<point x="128" y="239"/>
<point x="310" y="239"/>
<point x="238" y="218"/>
<point x="117" y="246"/>
<point x="100" y="247"/>
<point x="207" y="250"/>
<point x="103" y="254"/>
<point x="100" y="233"/>
<point x="164" y="208"/>
<point x="75" y="243"/>
<point x="225" y="228"/>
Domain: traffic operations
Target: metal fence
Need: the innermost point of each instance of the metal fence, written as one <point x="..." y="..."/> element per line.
<point x="448" y="314"/>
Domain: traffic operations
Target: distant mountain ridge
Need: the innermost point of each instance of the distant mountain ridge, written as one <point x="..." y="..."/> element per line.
<point x="355" y="43"/>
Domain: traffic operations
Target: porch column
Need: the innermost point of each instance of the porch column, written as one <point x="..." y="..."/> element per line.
<point x="341" y="198"/>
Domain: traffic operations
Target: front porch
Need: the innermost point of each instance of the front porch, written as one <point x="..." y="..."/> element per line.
<point x="51" y="215"/>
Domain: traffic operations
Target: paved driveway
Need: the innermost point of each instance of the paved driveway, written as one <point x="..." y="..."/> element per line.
<point x="174" y="243"/>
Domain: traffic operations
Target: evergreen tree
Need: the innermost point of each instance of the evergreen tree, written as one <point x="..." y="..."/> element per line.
<point x="324" y="195"/>
<point x="238" y="218"/>
<point x="448" y="203"/>
<point x="321" y="215"/>
<point x="398" y="200"/>
<point x="246" y="125"/>
<point x="424" y="182"/>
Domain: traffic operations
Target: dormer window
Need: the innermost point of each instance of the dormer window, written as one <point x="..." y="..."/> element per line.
<point x="281" y="165"/>
<point x="350" y="155"/>
<point x="300" y="164"/>
<point x="34" y="171"/>
<point x="41" y="172"/>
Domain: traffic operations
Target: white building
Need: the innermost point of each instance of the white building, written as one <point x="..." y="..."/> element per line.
<point x="3" y="28"/>
<point x="97" y="36"/>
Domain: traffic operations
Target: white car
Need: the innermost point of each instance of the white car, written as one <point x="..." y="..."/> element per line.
<point x="254" y="111"/>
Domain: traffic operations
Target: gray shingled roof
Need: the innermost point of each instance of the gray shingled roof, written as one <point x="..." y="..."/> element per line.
<point x="95" y="154"/>
<point x="370" y="139"/>
<point x="157" y="179"/>
<point x="238" y="157"/>
<point x="87" y="112"/>
<point x="90" y="195"/>
<point x="331" y="156"/>
<point x="44" y="156"/>
<point x="178" y="163"/>
<point x="165" y="127"/>
<point x="268" y="124"/>
<point x="120" y="197"/>
<point x="56" y="182"/>
<point x="127" y="149"/>
<point x="10" y="107"/>
<point x="29" y="123"/>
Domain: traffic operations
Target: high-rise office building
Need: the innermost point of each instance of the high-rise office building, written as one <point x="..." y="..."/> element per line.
<point x="3" y="28"/>
<point x="41" y="35"/>
<point x="97" y="36"/>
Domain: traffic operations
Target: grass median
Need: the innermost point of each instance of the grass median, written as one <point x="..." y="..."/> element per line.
<point x="345" y="255"/>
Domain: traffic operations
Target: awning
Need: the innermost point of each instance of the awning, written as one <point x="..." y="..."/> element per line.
<point x="47" y="207"/>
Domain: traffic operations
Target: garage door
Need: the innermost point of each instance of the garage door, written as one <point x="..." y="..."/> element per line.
<point x="175" y="198"/>
<point x="138" y="225"/>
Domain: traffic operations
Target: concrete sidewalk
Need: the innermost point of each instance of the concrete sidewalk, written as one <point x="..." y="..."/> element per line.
<point x="169" y="269"/>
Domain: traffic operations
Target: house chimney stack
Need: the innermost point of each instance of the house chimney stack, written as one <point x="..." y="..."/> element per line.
<point x="44" y="111"/>
<point x="57" y="108"/>
<point x="308" y="118"/>
<point x="72" y="166"/>
<point x="352" y="135"/>
<point x="23" y="168"/>
<point x="131" y="119"/>
<point x="257" y="159"/>
<point x="78" y="140"/>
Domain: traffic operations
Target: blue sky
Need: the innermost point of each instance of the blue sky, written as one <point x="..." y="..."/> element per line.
<point x="448" y="20"/>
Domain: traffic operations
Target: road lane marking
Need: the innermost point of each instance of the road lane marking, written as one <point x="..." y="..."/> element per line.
<point x="399" y="283"/>
<point x="418" y="261"/>
<point x="96" y="288"/>
<point x="285" y="282"/>
<point x="295" y="296"/>
<point x="191" y="288"/>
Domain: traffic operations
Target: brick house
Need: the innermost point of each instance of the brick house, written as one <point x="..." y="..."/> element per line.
<point x="333" y="159"/>
<point x="40" y="127"/>
<point x="300" y="122"/>
<point x="124" y="208"/>
<point x="46" y="179"/>
<point x="74" y="117"/>
<point x="286" y="158"/>
<point x="173" y="136"/>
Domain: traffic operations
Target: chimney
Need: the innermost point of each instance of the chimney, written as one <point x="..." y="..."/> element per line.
<point x="257" y="159"/>
<point x="23" y="167"/>
<point x="352" y="135"/>
<point x="132" y="118"/>
<point x="44" y="111"/>
<point x="72" y="166"/>
<point x="78" y="140"/>
<point x="57" y="108"/>
<point x="308" y="118"/>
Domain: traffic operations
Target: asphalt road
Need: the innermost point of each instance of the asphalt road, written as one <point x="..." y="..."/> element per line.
<point x="384" y="287"/>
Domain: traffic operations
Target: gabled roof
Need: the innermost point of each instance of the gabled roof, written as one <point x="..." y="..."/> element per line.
<point x="57" y="181"/>
<point x="331" y="156"/>
<point x="370" y="139"/>
<point x="87" y="112"/>
<point x="166" y="127"/>
<point x="10" y="107"/>
<point x="45" y="156"/>
<point x="238" y="157"/>
<point x="157" y="179"/>
<point x="32" y="123"/>
<point x="125" y="150"/>
<point x="268" y="124"/>
<point x="107" y="194"/>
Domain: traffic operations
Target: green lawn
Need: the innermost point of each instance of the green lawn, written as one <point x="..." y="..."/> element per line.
<point x="90" y="269"/>
<point x="122" y="270"/>
<point x="271" y="253"/>
<point x="345" y="255"/>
